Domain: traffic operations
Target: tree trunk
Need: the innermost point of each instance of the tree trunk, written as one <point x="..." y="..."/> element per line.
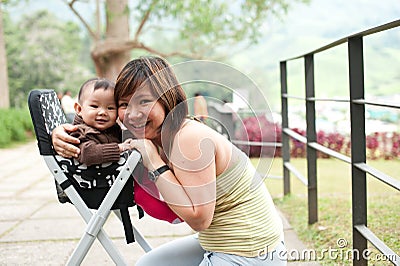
<point x="110" y="54"/>
<point x="4" y="90"/>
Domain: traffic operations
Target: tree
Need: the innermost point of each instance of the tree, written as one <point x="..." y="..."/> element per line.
<point x="4" y="90"/>
<point x="200" y="26"/>
<point x="43" y="52"/>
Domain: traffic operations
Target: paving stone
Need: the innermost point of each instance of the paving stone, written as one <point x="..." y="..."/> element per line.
<point x="18" y="212"/>
<point x="45" y="229"/>
<point x="5" y="226"/>
<point x="56" y="210"/>
<point x="36" y="253"/>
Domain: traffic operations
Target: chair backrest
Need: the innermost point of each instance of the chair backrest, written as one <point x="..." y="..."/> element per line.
<point x="91" y="182"/>
<point x="46" y="114"/>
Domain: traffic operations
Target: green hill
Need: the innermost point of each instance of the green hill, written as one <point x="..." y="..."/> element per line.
<point x="307" y="27"/>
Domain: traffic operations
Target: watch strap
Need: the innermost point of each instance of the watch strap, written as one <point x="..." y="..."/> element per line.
<point x="153" y="176"/>
<point x="161" y="170"/>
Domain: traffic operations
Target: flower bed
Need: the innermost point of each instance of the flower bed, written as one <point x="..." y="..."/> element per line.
<point x="384" y="145"/>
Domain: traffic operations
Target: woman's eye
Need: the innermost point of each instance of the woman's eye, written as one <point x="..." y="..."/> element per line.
<point x="124" y="105"/>
<point x="144" y="101"/>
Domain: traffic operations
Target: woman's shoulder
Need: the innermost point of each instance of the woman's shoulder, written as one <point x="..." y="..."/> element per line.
<point x="191" y="134"/>
<point x="193" y="129"/>
<point x="193" y="147"/>
<point x="201" y="144"/>
<point x="194" y="133"/>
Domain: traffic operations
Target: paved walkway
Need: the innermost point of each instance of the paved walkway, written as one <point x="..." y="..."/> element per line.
<point x="36" y="230"/>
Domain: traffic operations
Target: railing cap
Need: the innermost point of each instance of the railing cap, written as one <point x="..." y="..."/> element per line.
<point x="387" y="26"/>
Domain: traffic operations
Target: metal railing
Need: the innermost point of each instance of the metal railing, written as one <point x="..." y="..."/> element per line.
<point x="359" y="168"/>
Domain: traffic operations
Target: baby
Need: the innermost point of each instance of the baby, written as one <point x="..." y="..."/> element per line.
<point x="96" y="115"/>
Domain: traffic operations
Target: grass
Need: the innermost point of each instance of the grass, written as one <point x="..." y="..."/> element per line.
<point x="334" y="206"/>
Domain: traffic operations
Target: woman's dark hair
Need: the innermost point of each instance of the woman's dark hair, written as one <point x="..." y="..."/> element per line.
<point x="158" y="74"/>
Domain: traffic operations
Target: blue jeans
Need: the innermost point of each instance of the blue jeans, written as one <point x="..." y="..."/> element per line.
<point x="188" y="252"/>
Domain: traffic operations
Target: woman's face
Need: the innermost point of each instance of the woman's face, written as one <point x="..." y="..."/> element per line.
<point x="142" y="114"/>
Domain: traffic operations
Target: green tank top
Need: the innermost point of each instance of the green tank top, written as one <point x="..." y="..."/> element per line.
<point x="245" y="220"/>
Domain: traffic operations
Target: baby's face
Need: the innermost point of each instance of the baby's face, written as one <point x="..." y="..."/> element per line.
<point x="98" y="108"/>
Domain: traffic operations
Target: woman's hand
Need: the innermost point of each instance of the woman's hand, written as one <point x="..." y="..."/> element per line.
<point x="63" y="143"/>
<point x="126" y="145"/>
<point x="150" y="156"/>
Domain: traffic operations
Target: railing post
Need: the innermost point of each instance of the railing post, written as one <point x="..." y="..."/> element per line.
<point x="311" y="137"/>
<point x="358" y="153"/>
<point x="285" y="124"/>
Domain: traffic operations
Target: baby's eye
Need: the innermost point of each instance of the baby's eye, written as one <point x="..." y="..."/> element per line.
<point x="123" y="104"/>
<point x="111" y="108"/>
<point x="93" y="106"/>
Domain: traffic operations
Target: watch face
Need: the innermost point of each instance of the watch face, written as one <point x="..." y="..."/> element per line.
<point x="152" y="176"/>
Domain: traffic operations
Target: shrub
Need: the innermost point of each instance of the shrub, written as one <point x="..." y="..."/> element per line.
<point x="259" y="129"/>
<point x="385" y="145"/>
<point x="16" y="126"/>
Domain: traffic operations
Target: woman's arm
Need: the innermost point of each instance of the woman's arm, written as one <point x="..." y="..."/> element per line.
<point x="190" y="189"/>
<point x="63" y="143"/>
<point x="193" y="158"/>
<point x="190" y="194"/>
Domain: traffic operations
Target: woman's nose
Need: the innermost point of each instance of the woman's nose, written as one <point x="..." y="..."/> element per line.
<point x="134" y="114"/>
<point x="130" y="112"/>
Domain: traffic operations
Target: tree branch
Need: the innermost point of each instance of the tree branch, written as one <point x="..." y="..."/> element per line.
<point x="98" y="23"/>
<point x="144" y="20"/>
<point x="71" y="6"/>
<point x="175" y="53"/>
<point x="109" y="47"/>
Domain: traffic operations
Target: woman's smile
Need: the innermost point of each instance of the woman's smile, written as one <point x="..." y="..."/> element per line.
<point x="138" y="129"/>
<point x="138" y="126"/>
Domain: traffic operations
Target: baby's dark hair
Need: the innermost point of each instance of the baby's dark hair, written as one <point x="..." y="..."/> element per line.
<point x="98" y="83"/>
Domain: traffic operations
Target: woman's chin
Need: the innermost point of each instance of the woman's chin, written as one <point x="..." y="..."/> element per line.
<point x="139" y="134"/>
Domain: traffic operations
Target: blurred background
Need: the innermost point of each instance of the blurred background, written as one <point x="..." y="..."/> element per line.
<point x="58" y="44"/>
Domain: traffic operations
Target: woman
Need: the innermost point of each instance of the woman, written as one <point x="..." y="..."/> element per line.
<point x="204" y="178"/>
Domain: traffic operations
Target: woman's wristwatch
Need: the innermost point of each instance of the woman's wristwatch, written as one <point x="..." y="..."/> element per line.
<point x="153" y="175"/>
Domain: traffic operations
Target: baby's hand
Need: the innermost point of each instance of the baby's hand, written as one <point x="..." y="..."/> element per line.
<point x="126" y="145"/>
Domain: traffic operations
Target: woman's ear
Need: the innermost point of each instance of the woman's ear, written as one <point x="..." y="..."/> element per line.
<point x="78" y="108"/>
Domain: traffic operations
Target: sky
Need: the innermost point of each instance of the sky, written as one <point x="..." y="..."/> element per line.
<point x="308" y="27"/>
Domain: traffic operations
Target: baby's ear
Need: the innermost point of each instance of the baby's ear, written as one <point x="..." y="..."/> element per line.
<point x="77" y="107"/>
